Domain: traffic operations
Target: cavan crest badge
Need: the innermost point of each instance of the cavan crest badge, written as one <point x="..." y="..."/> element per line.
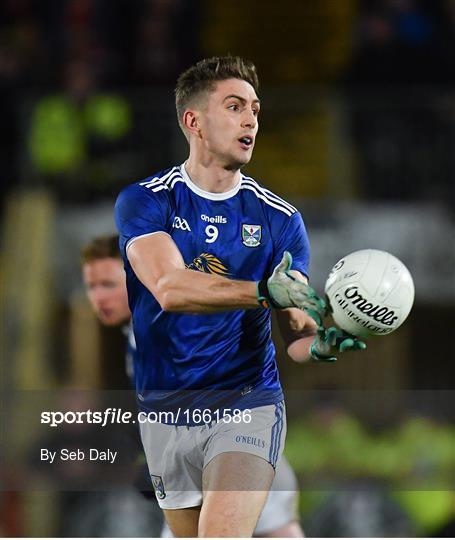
<point x="158" y="486"/>
<point x="251" y="235"/>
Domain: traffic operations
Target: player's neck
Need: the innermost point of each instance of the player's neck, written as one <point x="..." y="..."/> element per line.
<point x="211" y="177"/>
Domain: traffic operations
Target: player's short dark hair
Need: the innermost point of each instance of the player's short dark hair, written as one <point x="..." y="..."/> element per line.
<point x="202" y="77"/>
<point x="101" y="247"/>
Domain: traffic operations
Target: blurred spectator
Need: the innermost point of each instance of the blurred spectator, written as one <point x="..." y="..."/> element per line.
<point x="21" y="62"/>
<point x="74" y="52"/>
<point x="403" y="133"/>
<point x="74" y="136"/>
<point x="112" y="514"/>
<point x="360" y="510"/>
<point x="400" y="41"/>
<point x="167" y="34"/>
<point x="96" y="32"/>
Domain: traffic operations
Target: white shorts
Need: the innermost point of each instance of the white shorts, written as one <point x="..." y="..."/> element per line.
<point x="177" y="455"/>
<point x="280" y="508"/>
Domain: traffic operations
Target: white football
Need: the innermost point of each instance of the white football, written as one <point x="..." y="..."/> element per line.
<point x="371" y="293"/>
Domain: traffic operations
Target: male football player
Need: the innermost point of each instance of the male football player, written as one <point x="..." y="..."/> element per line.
<point x="105" y="285"/>
<point x="207" y="253"/>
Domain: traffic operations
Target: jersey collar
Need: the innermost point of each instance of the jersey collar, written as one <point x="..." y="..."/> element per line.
<point x="208" y="194"/>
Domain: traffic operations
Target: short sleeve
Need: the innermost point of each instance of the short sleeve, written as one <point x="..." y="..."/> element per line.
<point x="293" y="238"/>
<point x="139" y="212"/>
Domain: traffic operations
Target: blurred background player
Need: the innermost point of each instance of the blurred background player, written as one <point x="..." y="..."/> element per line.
<point x="105" y="284"/>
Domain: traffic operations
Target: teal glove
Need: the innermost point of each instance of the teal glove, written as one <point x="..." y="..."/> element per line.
<point x="283" y="290"/>
<point x="330" y="341"/>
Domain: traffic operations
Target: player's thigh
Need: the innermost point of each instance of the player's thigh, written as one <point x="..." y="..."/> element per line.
<point x="237" y="471"/>
<point x="183" y="522"/>
<point x="235" y="487"/>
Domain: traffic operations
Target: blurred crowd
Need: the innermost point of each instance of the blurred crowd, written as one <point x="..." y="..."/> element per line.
<point x="404" y="57"/>
<point x="77" y="49"/>
<point x="404" y="42"/>
<point x="73" y="74"/>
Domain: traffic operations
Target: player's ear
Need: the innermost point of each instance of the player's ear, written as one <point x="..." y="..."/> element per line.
<point x="191" y="122"/>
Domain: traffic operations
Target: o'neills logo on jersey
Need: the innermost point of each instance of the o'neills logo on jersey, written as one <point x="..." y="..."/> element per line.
<point x="216" y="219"/>
<point x="379" y="313"/>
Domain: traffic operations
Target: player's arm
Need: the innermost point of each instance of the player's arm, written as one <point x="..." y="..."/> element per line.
<point x="307" y="340"/>
<point x="158" y="264"/>
<point x="306" y="337"/>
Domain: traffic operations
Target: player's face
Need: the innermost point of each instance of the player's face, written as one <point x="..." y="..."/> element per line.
<point x="105" y="284"/>
<point x="229" y="122"/>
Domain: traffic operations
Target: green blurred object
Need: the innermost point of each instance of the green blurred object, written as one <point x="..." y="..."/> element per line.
<point x="108" y="116"/>
<point x="326" y="444"/>
<point x="59" y="130"/>
<point x="431" y="447"/>
<point x="419" y="453"/>
<point x="428" y="509"/>
<point x="57" y="136"/>
<point x="329" y="449"/>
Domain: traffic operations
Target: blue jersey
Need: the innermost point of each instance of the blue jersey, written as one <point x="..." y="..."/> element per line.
<point x="204" y="360"/>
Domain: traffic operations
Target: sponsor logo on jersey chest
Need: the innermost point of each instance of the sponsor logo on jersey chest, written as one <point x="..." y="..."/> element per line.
<point x="213" y="219"/>
<point x="208" y="263"/>
<point x="251" y="235"/>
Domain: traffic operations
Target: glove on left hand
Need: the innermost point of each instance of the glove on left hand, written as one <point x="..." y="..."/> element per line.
<point x="330" y="341"/>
